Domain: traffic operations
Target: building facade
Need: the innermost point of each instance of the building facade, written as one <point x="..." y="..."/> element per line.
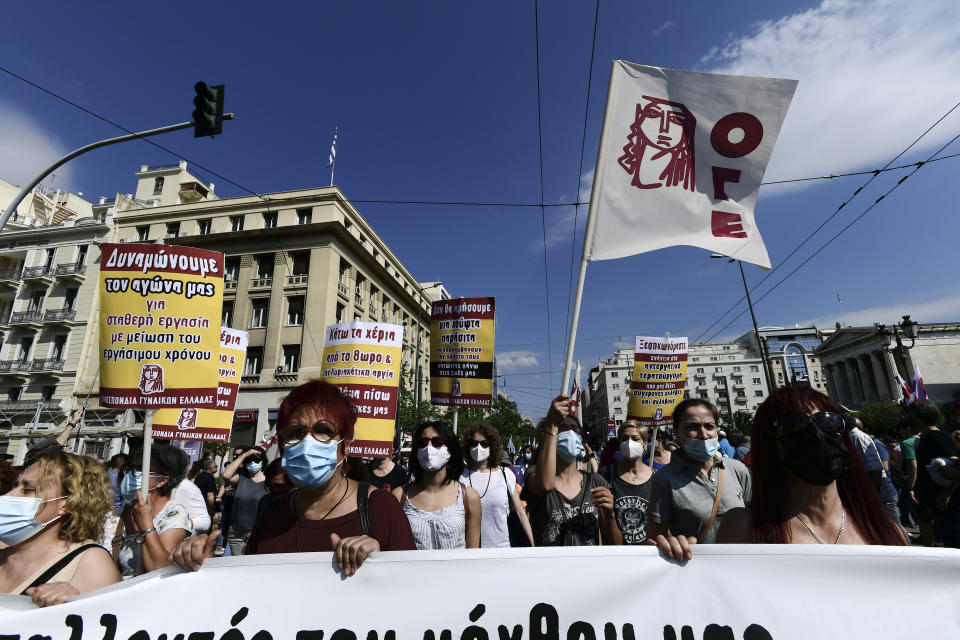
<point x="607" y="392"/>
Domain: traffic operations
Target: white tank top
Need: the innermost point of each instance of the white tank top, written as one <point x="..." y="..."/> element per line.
<point x="441" y="529"/>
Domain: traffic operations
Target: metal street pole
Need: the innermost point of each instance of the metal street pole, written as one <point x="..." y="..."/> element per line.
<point x="90" y="147"/>
<point x="756" y="332"/>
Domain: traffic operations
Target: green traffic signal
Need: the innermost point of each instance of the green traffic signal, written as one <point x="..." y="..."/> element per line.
<point x="208" y="115"/>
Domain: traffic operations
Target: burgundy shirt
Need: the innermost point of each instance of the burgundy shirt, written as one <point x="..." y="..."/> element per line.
<point x="285" y="533"/>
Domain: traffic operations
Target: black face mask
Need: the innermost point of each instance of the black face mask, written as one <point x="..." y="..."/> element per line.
<point x="815" y="456"/>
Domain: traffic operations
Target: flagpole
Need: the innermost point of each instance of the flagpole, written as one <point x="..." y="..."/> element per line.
<point x="333" y="154"/>
<point x="587" y="237"/>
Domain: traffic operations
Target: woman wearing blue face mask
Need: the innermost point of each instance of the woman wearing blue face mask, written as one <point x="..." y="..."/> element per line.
<point x="246" y="474"/>
<point x="690" y="495"/>
<point x="326" y="511"/>
<point x="567" y="506"/>
<point x="49" y="523"/>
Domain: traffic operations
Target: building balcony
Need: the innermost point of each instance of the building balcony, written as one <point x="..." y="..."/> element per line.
<point x="9" y="280"/>
<point x="18" y="405"/>
<point x="342" y="290"/>
<point x="358" y="299"/>
<point x="297" y="280"/>
<point x="261" y="283"/>
<point x="252" y="378"/>
<point x="72" y="271"/>
<point x="193" y="191"/>
<point x="286" y="376"/>
<point x="373" y="311"/>
<point x="48" y="365"/>
<point x="42" y="275"/>
<point x="740" y="400"/>
<point x="229" y="285"/>
<point x="32" y="318"/>
<point x="60" y="316"/>
<point x="18" y="368"/>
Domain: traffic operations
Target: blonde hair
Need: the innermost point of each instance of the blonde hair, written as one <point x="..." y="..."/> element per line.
<point x="89" y="495"/>
<point x="643" y="431"/>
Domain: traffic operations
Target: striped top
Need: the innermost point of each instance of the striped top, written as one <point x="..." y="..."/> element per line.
<point x="441" y="529"/>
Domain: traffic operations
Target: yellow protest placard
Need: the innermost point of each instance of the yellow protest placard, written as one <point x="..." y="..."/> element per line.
<point x="659" y="377"/>
<point x="192" y="423"/>
<point x="461" y="352"/>
<point x="363" y="360"/>
<point x="160" y="309"/>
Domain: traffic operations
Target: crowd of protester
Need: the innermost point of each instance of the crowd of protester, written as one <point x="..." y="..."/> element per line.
<point x="809" y="473"/>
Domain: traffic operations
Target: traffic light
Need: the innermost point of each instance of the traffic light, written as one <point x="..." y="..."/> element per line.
<point x="208" y="115"/>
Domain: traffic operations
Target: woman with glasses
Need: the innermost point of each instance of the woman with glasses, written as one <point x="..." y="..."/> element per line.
<point x="247" y="475"/>
<point x="690" y="497"/>
<point x="443" y="512"/>
<point x="568" y="506"/>
<point x="809" y="483"/>
<point x="629" y="480"/>
<point x="497" y="486"/>
<point x="326" y="511"/>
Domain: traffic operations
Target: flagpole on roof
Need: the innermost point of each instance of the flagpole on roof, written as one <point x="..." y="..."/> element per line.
<point x="587" y="239"/>
<point x="332" y="163"/>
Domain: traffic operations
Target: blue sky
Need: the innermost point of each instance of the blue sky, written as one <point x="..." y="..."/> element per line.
<point x="438" y="101"/>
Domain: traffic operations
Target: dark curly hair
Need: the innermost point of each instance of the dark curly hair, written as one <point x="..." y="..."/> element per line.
<point x="492" y="436"/>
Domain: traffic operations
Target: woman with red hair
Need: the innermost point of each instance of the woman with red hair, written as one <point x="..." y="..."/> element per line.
<point x="327" y="511"/>
<point x="809" y="484"/>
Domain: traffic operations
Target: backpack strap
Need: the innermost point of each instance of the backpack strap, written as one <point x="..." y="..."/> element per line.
<point x="363" y="507"/>
<point x="716" y="505"/>
<point x="507" y="486"/>
<point x="59" y="565"/>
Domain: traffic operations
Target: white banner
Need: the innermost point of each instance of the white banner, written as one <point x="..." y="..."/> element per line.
<point x="682" y="155"/>
<point x="727" y="592"/>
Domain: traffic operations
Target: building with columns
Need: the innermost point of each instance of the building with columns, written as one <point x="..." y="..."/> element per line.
<point x="861" y="370"/>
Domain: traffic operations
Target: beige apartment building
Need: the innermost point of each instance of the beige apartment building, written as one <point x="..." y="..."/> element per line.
<point x="296" y="262"/>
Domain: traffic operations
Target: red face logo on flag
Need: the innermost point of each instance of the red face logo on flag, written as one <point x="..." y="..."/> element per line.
<point x="659" y="149"/>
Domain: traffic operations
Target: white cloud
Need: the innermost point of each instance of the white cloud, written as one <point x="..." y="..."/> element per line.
<point x="27" y="148"/>
<point x="942" y="309"/>
<point x="873" y="76"/>
<point x="512" y="361"/>
<point x="666" y="25"/>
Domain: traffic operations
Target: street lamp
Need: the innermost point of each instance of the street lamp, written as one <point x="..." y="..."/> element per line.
<point x="909" y="328"/>
<point x="756" y="331"/>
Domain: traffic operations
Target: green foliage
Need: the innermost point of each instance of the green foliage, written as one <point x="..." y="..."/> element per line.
<point x="884" y="418"/>
<point x="743" y="422"/>
<point x="409" y="414"/>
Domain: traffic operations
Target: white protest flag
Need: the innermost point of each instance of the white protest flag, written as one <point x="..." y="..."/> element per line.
<point x="682" y="155"/>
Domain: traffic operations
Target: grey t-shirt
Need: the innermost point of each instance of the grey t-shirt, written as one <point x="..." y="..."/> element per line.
<point x="682" y="497"/>
<point x="560" y="521"/>
<point x="246" y="499"/>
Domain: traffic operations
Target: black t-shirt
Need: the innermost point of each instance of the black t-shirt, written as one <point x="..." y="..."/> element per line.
<point x="932" y="444"/>
<point x="630" y="506"/>
<point x="560" y="521"/>
<point x="206" y="484"/>
<point x="396" y="478"/>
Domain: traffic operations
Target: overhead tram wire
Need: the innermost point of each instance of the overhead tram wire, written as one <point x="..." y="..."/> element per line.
<point x="918" y="166"/>
<point x="543" y="215"/>
<point x="583" y="143"/>
<point x="875" y="173"/>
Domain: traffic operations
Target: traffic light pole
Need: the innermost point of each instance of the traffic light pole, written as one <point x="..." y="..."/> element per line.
<point x="90" y="147"/>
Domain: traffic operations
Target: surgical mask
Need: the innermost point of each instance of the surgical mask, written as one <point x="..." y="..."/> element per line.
<point x="528" y="457"/>
<point x="432" y="458"/>
<point x="17" y="518"/>
<point x="253" y="467"/>
<point x="130" y="485"/>
<point x="310" y="463"/>
<point x="569" y="445"/>
<point x="815" y="456"/>
<point x="479" y="454"/>
<point x="701" y="450"/>
<point x="631" y="449"/>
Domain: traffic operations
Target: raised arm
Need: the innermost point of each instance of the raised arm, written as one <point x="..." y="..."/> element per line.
<point x="543" y="479"/>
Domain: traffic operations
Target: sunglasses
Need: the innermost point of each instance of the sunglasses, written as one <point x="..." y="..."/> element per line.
<point x="835" y="423"/>
<point x="436" y="441"/>
<point x="480" y="443"/>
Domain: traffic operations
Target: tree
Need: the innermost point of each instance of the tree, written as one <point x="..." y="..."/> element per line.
<point x="503" y="415"/>
<point x="743" y="422"/>
<point x="884" y="418"/>
<point x="409" y="414"/>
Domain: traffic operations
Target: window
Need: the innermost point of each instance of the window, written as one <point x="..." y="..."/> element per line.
<point x="816" y="376"/>
<point x="47" y="393"/>
<point x="754" y="368"/>
<point x="304" y="216"/>
<point x="703" y="394"/>
<point x="25" y="345"/>
<point x="82" y="255"/>
<point x="756" y="381"/>
<point x="361" y="287"/>
<point x="294" y="311"/>
<point x="227" y="320"/>
<point x="618" y="410"/>
<point x="699" y="369"/>
<point x="301" y="263"/>
<point x="254" y="363"/>
<point x="270" y="220"/>
<point x="741" y="393"/>
<point x="13" y="394"/>
<point x="714" y="358"/>
<point x="340" y="315"/>
<point x="731" y="357"/>
<point x="726" y="347"/>
<point x="143" y="234"/>
<point x="736" y="369"/>
<point x="59" y="342"/>
<point x="696" y="359"/>
<point x="265" y="266"/>
<point x="718" y="369"/>
<point x="70" y="298"/>
<point x="373" y="297"/>
<point x="94" y="449"/>
<point x="157" y="186"/>
<point x="616" y="386"/>
<point x="203" y="227"/>
<point x="51" y="256"/>
<point x="236" y="223"/>
<point x="344" y="271"/>
<point x="758" y="394"/>
<point x="737" y="380"/>
<point x="291" y="358"/>
<point x="36" y="301"/>
<point x="614" y="374"/>
<point x="258" y="318"/>
<point x="231" y="269"/>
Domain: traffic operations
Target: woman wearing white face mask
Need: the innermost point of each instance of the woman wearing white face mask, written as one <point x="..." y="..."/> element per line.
<point x="629" y="480"/>
<point x="326" y="511"/>
<point x="246" y="473"/>
<point x="50" y="521"/>
<point x="497" y="486"/>
<point x="442" y="511"/>
<point x="690" y="495"/>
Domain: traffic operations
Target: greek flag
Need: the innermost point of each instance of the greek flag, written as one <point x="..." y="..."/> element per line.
<point x="333" y="151"/>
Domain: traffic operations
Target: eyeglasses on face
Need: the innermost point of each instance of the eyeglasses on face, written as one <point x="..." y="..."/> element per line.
<point x="835" y="423"/>
<point x="480" y="443"/>
<point x="436" y="441"/>
<point x="321" y="431"/>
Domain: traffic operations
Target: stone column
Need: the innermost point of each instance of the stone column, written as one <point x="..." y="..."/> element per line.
<point x="830" y="381"/>
<point x="886" y="391"/>
<point x="843" y="385"/>
<point x="856" y="382"/>
<point x="891" y="367"/>
<point x="868" y="379"/>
